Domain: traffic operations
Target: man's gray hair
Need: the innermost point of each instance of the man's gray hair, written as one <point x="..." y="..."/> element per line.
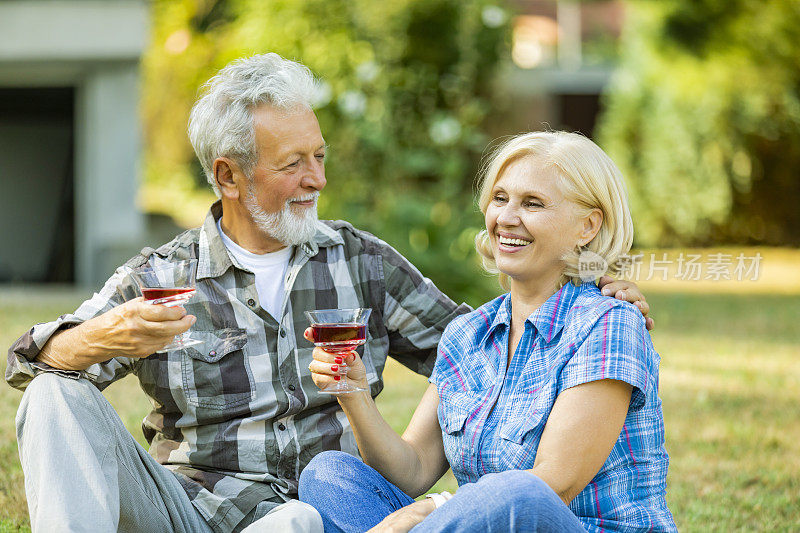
<point x="221" y="121"/>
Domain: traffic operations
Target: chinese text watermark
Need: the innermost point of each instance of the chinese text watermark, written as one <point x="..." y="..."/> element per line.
<point x="683" y="266"/>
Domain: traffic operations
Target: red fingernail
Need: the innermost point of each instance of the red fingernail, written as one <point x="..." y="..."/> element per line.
<point x="334" y="368"/>
<point x="338" y="360"/>
<point x="337" y="378"/>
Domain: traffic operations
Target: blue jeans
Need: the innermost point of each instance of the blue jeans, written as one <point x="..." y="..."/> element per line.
<point x="353" y="497"/>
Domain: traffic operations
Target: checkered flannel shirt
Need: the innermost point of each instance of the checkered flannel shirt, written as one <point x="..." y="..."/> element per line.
<point x="493" y="413"/>
<point x="237" y="418"/>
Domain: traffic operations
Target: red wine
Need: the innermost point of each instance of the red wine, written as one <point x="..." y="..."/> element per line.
<point x="339" y="337"/>
<point x="158" y="293"/>
<point x="168" y="297"/>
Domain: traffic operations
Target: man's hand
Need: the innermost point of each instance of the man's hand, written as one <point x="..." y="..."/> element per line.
<point x="133" y="329"/>
<point x="627" y="291"/>
<point x="402" y="520"/>
<point x="138" y="329"/>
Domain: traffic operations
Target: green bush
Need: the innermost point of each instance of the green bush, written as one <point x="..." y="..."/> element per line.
<point x="409" y="84"/>
<point x="703" y="117"/>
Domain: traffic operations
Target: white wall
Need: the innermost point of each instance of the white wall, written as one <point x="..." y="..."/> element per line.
<point x="94" y="46"/>
<point x="109" y="227"/>
<point x="64" y="30"/>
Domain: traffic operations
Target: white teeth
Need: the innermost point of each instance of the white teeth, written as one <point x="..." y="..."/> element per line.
<point x="312" y="196"/>
<point x="513" y="242"/>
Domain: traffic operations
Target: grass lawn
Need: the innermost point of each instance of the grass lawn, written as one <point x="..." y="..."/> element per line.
<point x="730" y="385"/>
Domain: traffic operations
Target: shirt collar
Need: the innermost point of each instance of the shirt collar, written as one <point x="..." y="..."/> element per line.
<point x="502" y="318"/>
<point x="324" y="238"/>
<point x="549" y="318"/>
<point x="214" y="260"/>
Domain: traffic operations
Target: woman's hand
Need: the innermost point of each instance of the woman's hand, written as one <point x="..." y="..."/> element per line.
<point x="327" y="367"/>
<point x="402" y="520"/>
<point x="626" y="291"/>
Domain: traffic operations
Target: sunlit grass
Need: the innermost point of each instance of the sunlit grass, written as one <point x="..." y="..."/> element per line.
<point x="730" y="383"/>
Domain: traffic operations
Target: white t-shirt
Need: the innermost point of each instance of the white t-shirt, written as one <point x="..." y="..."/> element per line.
<point x="269" y="269"/>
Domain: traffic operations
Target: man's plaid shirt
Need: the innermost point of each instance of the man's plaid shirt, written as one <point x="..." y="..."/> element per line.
<point x="238" y="418"/>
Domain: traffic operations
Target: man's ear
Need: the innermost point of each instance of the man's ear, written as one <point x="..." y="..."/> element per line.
<point x="591" y="225"/>
<point x="229" y="177"/>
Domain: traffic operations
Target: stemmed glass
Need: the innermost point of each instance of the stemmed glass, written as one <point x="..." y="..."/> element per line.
<point x="337" y="331"/>
<point x="170" y="285"/>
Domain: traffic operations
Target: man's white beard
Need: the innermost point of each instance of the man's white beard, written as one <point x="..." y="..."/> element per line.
<point x="285" y="226"/>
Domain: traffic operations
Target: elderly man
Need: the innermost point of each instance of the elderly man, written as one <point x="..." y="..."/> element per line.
<point x="234" y="420"/>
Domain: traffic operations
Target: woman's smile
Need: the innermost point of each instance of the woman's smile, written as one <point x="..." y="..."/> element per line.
<point x="510" y="243"/>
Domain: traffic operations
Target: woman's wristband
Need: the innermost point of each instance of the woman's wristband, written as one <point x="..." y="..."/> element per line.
<point x="439" y="498"/>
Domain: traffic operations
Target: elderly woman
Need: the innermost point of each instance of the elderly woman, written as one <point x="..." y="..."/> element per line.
<point x="544" y="401"/>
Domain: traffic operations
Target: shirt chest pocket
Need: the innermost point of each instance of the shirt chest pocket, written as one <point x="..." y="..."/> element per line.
<point x="216" y="374"/>
<point x="456" y="410"/>
<point x="525" y="417"/>
<point x="452" y="418"/>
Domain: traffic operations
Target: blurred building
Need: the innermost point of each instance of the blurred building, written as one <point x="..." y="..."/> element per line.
<point x="69" y="137"/>
<point x="563" y="54"/>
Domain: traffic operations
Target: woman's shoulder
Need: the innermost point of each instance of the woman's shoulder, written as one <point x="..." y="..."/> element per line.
<point x="591" y="306"/>
<point x="606" y="338"/>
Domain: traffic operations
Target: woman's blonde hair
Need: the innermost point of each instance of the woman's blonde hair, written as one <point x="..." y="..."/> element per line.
<point x="588" y="178"/>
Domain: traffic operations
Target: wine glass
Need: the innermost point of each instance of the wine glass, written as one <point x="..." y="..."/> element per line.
<point x="337" y="331"/>
<point x="170" y="285"/>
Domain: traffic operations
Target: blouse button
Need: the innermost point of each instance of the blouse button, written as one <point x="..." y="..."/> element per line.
<point x="281" y="426"/>
<point x="283" y="333"/>
<point x="212" y="353"/>
<point x="291" y="388"/>
<point x="251" y="302"/>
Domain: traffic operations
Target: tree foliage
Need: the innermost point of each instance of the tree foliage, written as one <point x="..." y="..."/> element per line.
<point x="703" y="116"/>
<point x="409" y="89"/>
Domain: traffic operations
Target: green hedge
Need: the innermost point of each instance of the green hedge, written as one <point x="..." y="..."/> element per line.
<point x="409" y="84"/>
<point x="703" y="116"/>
